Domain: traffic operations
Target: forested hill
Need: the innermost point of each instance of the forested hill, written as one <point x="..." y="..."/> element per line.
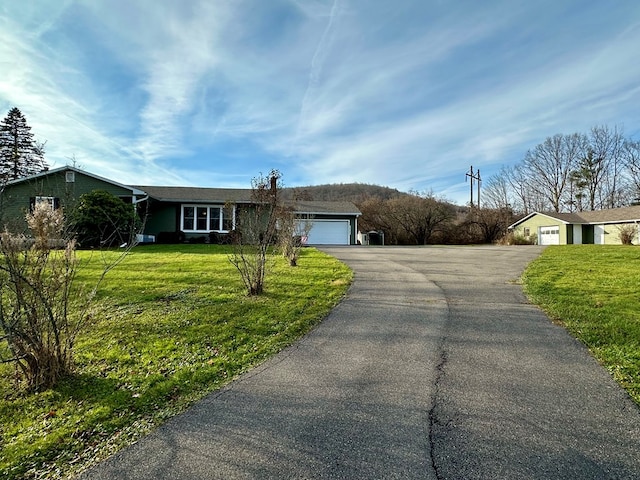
<point x="352" y="192"/>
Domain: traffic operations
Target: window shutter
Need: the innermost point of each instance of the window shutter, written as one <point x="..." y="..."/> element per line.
<point x="56" y="203"/>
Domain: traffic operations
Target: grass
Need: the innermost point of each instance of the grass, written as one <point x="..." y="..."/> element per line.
<point x="171" y="323"/>
<point x="594" y="291"/>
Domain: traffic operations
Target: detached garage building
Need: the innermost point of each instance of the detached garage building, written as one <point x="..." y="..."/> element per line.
<point x="601" y="227"/>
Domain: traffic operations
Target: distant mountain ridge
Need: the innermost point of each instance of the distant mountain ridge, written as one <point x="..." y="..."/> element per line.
<point x="335" y="192"/>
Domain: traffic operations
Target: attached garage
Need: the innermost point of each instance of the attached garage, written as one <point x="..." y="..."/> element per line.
<point x="549" y="235"/>
<point x="329" y="232"/>
<point x="331" y="223"/>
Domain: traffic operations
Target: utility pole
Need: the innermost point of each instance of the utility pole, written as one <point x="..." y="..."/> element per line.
<point x="475" y="177"/>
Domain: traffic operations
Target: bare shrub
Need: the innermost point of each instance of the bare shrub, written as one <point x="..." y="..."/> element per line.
<point x="35" y="288"/>
<point x="37" y="324"/>
<point x="256" y="230"/>
<point x="512" y="238"/>
<point x="292" y="232"/>
<point x="626" y="234"/>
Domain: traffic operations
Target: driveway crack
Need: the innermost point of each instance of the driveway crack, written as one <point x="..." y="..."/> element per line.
<point x="441" y="364"/>
<point x="433" y="417"/>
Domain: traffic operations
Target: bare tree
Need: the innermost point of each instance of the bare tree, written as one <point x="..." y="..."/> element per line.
<point x="497" y="191"/>
<point x="375" y="217"/>
<point x="256" y="232"/>
<point x="489" y="224"/>
<point x="607" y="145"/>
<point x="419" y="216"/>
<point x="526" y="199"/>
<point x="598" y="172"/>
<point x="600" y="169"/>
<point x="549" y="166"/>
<point x="631" y="159"/>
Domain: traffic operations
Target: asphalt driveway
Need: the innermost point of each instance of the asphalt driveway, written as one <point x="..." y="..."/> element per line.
<point x="433" y="367"/>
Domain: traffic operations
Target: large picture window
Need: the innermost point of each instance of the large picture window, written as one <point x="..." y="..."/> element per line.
<point x="206" y="218"/>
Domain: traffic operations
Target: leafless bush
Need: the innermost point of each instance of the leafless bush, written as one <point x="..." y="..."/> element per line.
<point x="512" y="238"/>
<point x="37" y="285"/>
<point x="256" y="229"/>
<point x="627" y="233"/>
<point x="292" y="232"/>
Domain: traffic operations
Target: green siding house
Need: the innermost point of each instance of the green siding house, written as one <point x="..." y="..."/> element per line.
<point x="171" y="214"/>
<point x="598" y="227"/>
<point x="61" y="187"/>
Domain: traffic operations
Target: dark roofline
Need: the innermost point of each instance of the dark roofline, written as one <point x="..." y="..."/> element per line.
<point x="197" y="194"/>
<point x="310" y="207"/>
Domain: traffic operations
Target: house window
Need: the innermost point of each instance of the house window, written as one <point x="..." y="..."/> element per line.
<point x="214" y="218"/>
<point x="206" y="218"/>
<point x="202" y="216"/>
<point x="188" y="218"/>
<point x="527" y="232"/>
<point x="48" y="201"/>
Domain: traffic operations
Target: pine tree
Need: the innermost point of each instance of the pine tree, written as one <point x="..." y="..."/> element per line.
<point x="20" y="154"/>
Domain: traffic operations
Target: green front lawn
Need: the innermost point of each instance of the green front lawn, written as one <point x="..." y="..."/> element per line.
<point x="594" y="291"/>
<point x="171" y="323"/>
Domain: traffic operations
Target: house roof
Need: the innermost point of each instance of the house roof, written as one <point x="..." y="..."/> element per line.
<point x="565" y="218"/>
<point x="198" y="194"/>
<point x="318" y="208"/>
<point x="611" y="215"/>
<point x="238" y="195"/>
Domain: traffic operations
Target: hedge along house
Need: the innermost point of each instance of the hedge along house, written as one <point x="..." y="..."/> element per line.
<point x="171" y="214"/>
<point x="603" y="227"/>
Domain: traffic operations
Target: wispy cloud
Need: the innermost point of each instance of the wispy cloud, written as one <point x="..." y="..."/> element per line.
<point x="406" y="94"/>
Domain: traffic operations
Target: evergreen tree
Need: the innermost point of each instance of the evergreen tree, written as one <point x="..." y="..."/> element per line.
<point x="20" y="154"/>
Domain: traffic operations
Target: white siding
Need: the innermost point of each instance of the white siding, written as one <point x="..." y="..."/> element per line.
<point x="577" y="234"/>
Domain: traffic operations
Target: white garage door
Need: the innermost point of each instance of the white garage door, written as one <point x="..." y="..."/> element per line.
<point x="329" y="232"/>
<point x="549" y="235"/>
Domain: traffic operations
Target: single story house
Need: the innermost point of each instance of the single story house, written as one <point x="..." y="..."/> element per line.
<point x="171" y="213"/>
<point x="598" y="227"/>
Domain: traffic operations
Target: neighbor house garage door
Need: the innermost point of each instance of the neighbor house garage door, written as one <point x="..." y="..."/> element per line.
<point x="329" y="232"/>
<point x="549" y="235"/>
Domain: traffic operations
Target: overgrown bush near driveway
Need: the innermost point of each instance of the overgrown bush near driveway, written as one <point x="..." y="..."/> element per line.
<point x="171" y="324"/>
<point x="593" y="290"/>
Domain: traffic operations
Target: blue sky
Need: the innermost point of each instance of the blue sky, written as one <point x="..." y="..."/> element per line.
<point x="404" y="93"/>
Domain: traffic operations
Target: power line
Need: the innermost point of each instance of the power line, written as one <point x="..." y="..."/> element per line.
<point x="474" y="178"/>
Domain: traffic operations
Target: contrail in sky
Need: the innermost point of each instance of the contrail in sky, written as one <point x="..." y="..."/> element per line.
<point x="317" y="62"/>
